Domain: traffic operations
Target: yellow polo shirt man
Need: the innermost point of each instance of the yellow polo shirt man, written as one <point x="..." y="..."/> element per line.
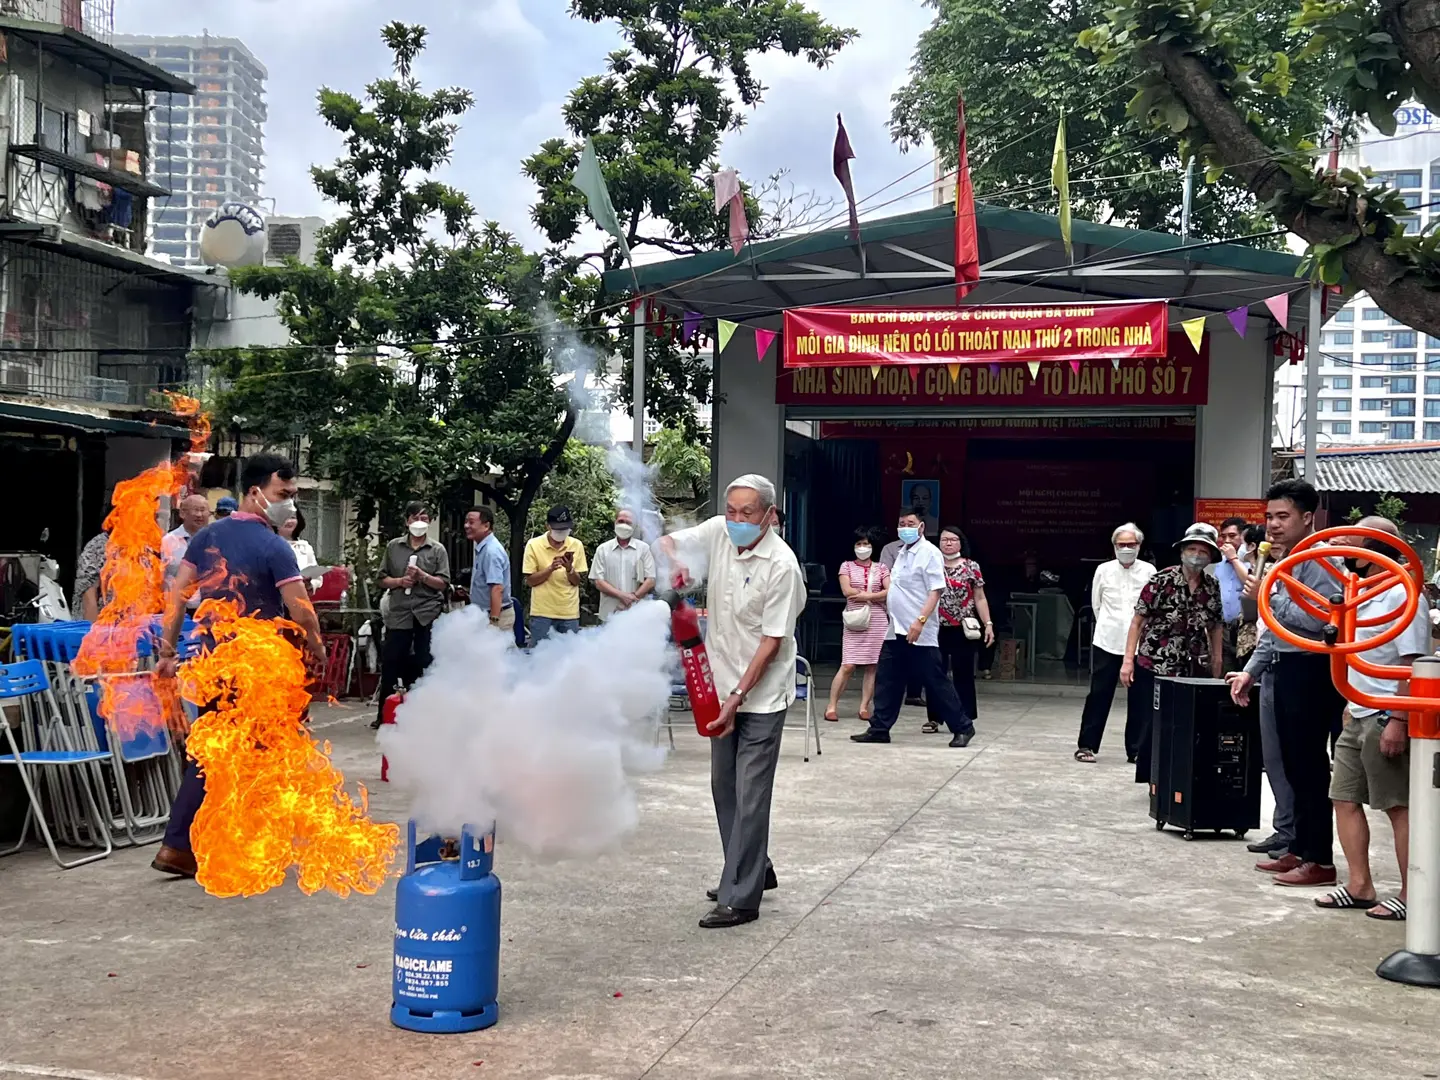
<point x="554" y="566"/>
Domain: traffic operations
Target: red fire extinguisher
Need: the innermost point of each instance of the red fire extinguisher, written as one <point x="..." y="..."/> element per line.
<point x="699" y="679"/>
<point x="387" y="716"/>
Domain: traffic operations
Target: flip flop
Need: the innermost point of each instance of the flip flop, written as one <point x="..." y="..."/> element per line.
<point x="1087" y="756"/>
<point x="1341" y="900"/>
<point x="867" y="715"/>
<point x="1391" y="910"/>
<point x="834" y="719"/>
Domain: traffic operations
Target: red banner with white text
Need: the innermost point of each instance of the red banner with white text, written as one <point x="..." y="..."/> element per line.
<point x="869" y="337"/>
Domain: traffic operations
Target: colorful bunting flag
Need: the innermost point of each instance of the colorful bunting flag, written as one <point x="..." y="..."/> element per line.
<point x="1034" y="366"/>
<point x="1280" y="308"/>
<point x="1194" y="330"/>
<point x="763" y="341"/>
<point x="727" y="330"/>
<point x="727" y="191"/>
<point x="1075" y="367"/>
<point x="1115" y="362"/>
<point x="875" y="371"/>
<point x="967" y="235"/>
<point x="1238" y="317"/>
<point x="954" y="370"/>
<point x="590" y="180"/>
<point x="844" y="154"/>
<point x="690" y="322"/>
<point x="994" y="371"/>
<point x="1060" y="178"/>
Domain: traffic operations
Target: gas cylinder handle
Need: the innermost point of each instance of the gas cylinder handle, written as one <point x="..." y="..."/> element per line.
<point x="410" y="847"/>
<point x="477" y="848"/>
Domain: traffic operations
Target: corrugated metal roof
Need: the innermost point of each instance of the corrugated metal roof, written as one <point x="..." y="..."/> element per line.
<point x="1407" y="470"/>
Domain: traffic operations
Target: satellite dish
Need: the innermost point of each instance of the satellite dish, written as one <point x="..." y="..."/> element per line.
<point x="234" y="235"/>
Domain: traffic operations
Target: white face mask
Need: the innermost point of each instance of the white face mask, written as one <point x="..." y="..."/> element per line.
<point x="1127" y="555"/>
<point x="559" y="535"/>
<point x="624" y="531"/>
<point x="862" y="551"/>
<point x="419" y="528"/>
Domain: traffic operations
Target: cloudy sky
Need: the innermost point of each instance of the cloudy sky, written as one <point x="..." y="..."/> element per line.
<point x="521" y="58"/>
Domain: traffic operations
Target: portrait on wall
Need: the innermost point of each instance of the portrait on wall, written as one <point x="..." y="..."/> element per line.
<point x="924" y="495"/>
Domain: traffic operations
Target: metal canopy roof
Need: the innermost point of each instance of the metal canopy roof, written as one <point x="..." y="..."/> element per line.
<point x="115" y="65"/>
<point x="908" y="261"/>
<point x="1412" y="469"/>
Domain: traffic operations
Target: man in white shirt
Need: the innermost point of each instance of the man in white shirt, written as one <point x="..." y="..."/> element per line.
<point x="1372" y="754"/>
<point x="623" y="569"/>
<point x="914" y="692"/>
<point x="194" y="516"/>
<point x="1113" y="592"/>
<point x="912" y="644"/>
<point x="755" y="595"/>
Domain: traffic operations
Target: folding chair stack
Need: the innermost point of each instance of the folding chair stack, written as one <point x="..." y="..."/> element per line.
<point x="134" y="771"/>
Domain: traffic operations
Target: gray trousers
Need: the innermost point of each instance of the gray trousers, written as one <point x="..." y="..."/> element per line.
<point x="1283" y="824"/>
<point x="742" y="778"/>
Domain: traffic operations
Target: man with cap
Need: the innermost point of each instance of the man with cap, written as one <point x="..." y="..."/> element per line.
<point x="225" y="506"/>
<point x="1176" y="630"/>
<point x="554" y="566"/>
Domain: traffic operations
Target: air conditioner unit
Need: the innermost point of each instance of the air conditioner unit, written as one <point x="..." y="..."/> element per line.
<point x="16" y="376"/>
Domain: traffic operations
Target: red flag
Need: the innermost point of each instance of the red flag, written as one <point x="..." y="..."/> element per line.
<point x="967" y="237"/>
<point x="843" y="156"/>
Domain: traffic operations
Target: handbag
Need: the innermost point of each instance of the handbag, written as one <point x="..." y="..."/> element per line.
<point x="971" y="625"/>
<point x="857" y="618"/>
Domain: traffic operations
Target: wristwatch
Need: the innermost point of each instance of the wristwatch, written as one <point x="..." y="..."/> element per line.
<point x="1383" y="719"/>
<point x="737" y="692"/>
<point x="922" y="619"/>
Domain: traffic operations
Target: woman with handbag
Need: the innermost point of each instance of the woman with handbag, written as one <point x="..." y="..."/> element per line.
<point x="965" y="624"/>
<point x="865" y="582"/>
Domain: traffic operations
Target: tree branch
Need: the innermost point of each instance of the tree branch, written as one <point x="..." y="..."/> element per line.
<point x="1391" y="282"/>
<point x="1415" y="27"/>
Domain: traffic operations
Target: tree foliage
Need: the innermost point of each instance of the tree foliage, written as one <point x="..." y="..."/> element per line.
<point x="1198" y="83"/>
<point x="657" y="116"/>
<point x="415" y="366"/>
<point x="1019" y="69"/>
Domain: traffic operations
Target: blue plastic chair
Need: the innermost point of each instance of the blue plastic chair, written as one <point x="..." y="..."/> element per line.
<point x="27" y="679"/>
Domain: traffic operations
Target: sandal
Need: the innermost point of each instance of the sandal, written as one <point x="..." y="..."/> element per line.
<point x="866" y="715"/>
<point x="832" y="717"/>
<point x="1342" y="899"/>
<point x="1391" y="910"/>
<point x="930" y="727"/>
<point x="1087" y="756"/>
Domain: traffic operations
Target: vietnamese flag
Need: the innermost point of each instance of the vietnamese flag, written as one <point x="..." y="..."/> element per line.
<point x="967" y="236"/>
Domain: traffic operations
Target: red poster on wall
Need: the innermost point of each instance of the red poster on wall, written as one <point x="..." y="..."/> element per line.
<point x="864" y="337"/>
<point x="1214" y="511"/>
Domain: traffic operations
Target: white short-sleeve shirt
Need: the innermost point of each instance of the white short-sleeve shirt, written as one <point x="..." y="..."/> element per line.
<point x="750" y="595"/>
<point x="625" y="567"/>
<point x="1413" y="641"/>
<point x="918" y="571"/>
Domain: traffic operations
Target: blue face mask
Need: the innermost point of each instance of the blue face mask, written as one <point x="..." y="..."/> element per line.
<point x="743" y="533"/>
<point x="908" y="535"/>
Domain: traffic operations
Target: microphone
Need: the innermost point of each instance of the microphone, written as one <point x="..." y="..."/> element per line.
<point x="1263" y="553"/>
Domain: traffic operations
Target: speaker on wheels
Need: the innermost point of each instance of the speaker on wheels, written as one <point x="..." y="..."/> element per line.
<point x="1205" y="763"/>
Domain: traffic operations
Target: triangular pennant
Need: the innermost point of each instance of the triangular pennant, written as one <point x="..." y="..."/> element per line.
<point x="1194" y="330"/>
<point x="1034" y="366"/>
<point x="1060" y="181"/>
<point x="875" y="370"/>
<point x="915" y="373"/>
<point x="763" y="341"/>
<point x="1238" y="318"/>
<point x="954" y="370"/>
<point x="689" y="325"/>
<point x="1075" y="367"/>
<point x="726" y="329"/>
<point x="590" y="179"/>
<point x="1280" y="308"/>
<point x="1115" y="362"/>
<point x="994" y="371"/>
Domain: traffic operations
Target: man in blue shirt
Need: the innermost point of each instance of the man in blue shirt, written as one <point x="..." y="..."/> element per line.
<point x="238" y="558"/>
<point x="490" y="579"/>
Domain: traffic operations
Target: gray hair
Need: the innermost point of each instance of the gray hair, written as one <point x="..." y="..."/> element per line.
<point x="761" y="486"/>
<point x="1129" y="527"/>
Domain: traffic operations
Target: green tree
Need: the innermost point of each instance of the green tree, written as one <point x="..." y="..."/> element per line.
<point x="1019" y="69"/>
<point x="682" y="472"/>
<point x="415" y="368"/>
<point x="657" y="116"/>
<point x="1202" y="83"/>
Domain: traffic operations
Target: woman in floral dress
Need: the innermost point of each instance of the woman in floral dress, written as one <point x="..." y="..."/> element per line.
<point x="963" y="598"/>
<point x="863" y="580"/>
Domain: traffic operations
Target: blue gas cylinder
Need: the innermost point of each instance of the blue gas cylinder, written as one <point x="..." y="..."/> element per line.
<point x="447" y="936"/>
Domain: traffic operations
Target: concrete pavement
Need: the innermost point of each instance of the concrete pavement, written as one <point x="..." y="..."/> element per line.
<point x="1000" y="911"/>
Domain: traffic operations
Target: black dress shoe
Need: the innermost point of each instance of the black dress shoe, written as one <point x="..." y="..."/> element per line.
<point x="871" y="736"/>
<point x="722" y="916"/>
<point x="1130" y="759"/>
<point x="917" y="702"/>
<point x="771" y="882"/>
<point x="963" y="739"/>
<point x="1273" y="842"/>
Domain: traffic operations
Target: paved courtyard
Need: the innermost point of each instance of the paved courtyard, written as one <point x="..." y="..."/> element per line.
<point x="993" y="912"/>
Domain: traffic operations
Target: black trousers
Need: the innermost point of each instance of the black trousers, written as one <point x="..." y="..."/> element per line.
<point x="1308" y="711"/>
<point x="899" y="662"/>
<point x="404" y="656"/>
<point x="1140" y="721"/>
<point x="957" y="659"/>
<point x="1093" y="717"/>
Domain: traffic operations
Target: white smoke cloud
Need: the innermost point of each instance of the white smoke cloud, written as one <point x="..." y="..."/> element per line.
<point x="636" y="483"/>
<point x="545" y="743"/>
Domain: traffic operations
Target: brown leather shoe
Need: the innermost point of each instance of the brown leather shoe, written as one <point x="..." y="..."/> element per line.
<point x="169" y="860"/>
<point x="1307" y="876"/>
<point x="1283" y="865"/>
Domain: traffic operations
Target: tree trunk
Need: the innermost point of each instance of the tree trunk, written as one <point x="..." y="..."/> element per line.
<point x="1395" y="284"/>
<point x="517" y="509"/>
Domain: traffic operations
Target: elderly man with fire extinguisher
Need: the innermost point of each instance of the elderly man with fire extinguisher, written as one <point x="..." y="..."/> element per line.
<point x="755" y="595"/>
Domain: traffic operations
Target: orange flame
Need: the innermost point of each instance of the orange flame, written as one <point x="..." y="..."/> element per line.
<point x="272" y="797"/>
<point x="133" y="581"/>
